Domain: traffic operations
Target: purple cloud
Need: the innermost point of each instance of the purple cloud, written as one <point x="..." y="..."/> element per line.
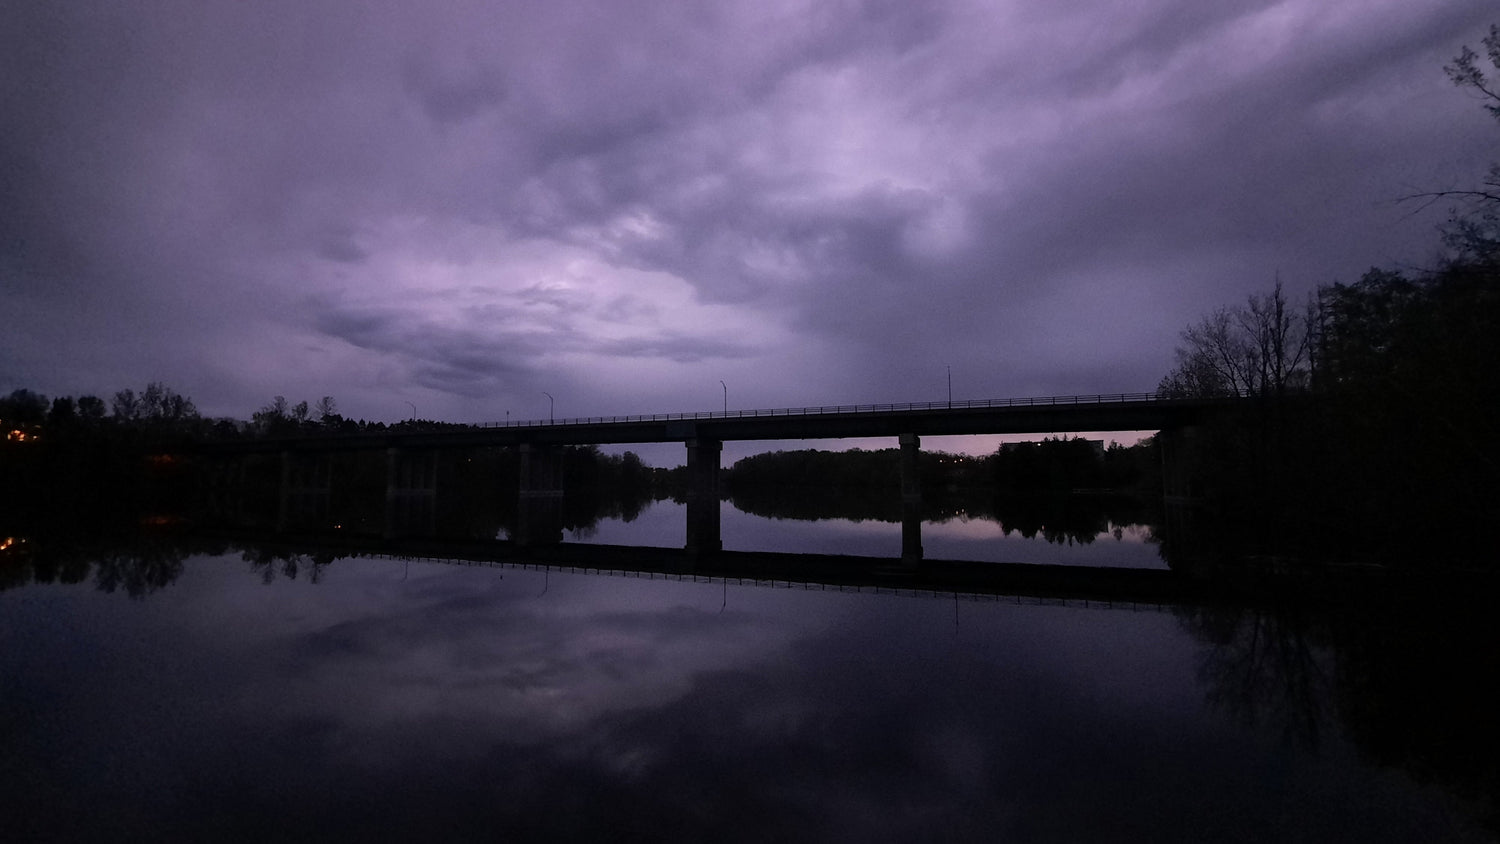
<point x="626" y="205"/>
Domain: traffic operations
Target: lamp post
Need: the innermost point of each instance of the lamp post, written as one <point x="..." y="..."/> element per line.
<point x="950" y="387"/>
<point x="413" y="411"/>
<point x="550" y="407"/>
<point x="726" y="396"/>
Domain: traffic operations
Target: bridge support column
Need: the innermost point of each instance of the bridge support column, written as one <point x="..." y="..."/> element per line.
<point x="539" y="516"/>
<point x="303" y="492"/>
<point x="410" y="492"/>
<point x="911" y="500"/>
<point x="1178" y="456"/>
<point x="703" y="497"/>
<point x="1180" y="543"/>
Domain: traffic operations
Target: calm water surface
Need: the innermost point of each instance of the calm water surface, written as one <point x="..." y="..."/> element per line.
<point x="663" y="524"/>
<point x="430" y="701"/>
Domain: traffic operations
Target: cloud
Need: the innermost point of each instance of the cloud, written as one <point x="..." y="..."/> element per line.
<point x="851" y="196"/>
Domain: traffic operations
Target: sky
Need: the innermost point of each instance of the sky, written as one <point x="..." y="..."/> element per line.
<point x="455" y="209"/>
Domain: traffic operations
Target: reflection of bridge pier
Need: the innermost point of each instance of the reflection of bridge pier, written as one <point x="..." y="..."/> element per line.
<point x="703" y="535"/>
<point x="911" y="499"/>
<point x="539" y="514"/>
<point x="303" y="492"/>
<point x="410" y="492"/>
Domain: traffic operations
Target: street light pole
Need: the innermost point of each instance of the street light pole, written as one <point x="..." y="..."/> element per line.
<point x="413" y="411"/>
<point x="551" y="405"/>
<point x="950" y="387"/>
<point x="726" y="396"/>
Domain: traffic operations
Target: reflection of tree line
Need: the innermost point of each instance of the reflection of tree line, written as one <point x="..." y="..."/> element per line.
<point x="271" y="562"/>
<point x="1027" y="488"/>
<point x="1403" y="671"/>
<point x="1261" y="666"/>
<point x="131" y="562"/>
<point x="135" y="561"/>
<point x="1067" y="519"/>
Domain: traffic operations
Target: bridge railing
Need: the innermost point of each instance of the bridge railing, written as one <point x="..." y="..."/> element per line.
<point x="823" y="410"/>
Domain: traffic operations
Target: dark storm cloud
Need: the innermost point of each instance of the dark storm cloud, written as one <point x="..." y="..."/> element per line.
<point x="463" y="360"/>
<point x="481" y="348"/>
<point x="852" y="196"/>
<point x="681" y="349"/>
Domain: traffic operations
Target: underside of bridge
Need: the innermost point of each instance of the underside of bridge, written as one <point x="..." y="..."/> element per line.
<point x="411" y="473"/>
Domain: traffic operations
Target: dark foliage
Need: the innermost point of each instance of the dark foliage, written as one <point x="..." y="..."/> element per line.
<point x="1395" y="428"/>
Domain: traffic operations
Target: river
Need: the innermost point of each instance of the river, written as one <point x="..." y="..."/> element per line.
<point x="1124" y="545"/>
<point x="157" y="689"/>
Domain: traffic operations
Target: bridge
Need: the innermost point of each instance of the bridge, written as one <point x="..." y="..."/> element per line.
<point x="411" y="465"/>
<point x="1032" y="415"/>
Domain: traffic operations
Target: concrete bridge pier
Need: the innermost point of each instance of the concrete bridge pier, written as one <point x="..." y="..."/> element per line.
<point x="410" y="492"/>
<point x="304" y="489"/>
<point x="539" y="516"/>
<point x="911" y="500"/>
<point x="703" y="497"/>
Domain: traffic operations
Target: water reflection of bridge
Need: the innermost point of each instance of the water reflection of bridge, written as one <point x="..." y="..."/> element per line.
<point x="410" y="454"/>
<point x="1019" y="582"/>
<point x="887" y="586"/>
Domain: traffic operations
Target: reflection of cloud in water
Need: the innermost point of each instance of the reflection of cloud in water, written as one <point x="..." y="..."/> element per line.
<point x="387" y="704"/>
<point x="548" y="653"/>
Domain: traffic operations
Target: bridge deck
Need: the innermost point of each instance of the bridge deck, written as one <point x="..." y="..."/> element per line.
<point x="1052" y="414"/>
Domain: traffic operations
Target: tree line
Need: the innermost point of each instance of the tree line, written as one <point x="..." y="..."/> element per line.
<point x="161" y="413"/>
<point x="1055" y="465"/>
<point x="1371" y="403"/>
<point x="157" y="408"/>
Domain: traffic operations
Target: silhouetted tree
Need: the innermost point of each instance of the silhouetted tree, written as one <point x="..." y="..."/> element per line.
<point x="327" y="411"/>
<point x="91" y="410"/>
<point x="24" y="407"/>
<point x="1256" y="349"/>
<point x="64" y="413"/>
<point x="126" y="406"/>
<point x="271" y="418"/>
<point x="1473" y="230"/>
<point x="159" y="409"/>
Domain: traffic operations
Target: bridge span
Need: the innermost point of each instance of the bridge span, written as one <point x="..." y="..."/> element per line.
<point x="1034" y="415"/>
<point x="411" y="467"/>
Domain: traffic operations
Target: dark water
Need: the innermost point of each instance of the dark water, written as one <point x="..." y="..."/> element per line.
<point x="240" y="695"/>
